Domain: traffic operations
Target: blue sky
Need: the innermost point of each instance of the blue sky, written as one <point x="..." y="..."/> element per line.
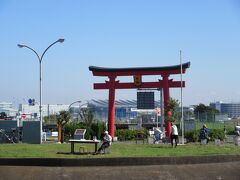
<point x="123" y="33"/>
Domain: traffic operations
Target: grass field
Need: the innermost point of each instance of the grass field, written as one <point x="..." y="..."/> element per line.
<point x="53" y="150"/>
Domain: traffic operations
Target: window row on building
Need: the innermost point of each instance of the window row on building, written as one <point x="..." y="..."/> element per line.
<point x="231" y="109"/>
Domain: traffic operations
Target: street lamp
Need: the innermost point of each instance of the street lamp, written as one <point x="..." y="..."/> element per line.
<point x="40" y="58"/>
<point x="73" y="103"/>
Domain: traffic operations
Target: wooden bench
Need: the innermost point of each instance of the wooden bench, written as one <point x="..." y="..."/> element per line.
<point x="83" y="141"/>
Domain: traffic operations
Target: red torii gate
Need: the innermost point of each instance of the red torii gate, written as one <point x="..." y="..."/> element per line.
<point x="138" y="72"/>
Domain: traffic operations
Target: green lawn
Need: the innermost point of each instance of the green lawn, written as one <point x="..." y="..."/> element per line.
<point x="52" y="150"/>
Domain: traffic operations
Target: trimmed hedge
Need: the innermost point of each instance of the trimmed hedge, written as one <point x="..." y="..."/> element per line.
<point x="192" y="136"/>
<point x="96" y="129"/>
<point x="128" y="134"/>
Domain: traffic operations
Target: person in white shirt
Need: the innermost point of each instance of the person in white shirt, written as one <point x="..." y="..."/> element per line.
<point x="107" y="140"/>
<point x="174" y="134"/>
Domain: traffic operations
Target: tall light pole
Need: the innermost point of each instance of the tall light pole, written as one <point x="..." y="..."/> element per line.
<point x="40" y="58"/>
<point x="182" y="121"/>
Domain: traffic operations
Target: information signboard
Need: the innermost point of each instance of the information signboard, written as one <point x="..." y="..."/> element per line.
<point x="145" y="100"/>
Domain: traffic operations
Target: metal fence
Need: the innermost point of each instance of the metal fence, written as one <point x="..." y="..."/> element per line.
<point x="194" y="121"/>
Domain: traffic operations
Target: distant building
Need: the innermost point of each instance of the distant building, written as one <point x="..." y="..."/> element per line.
<point x="32" y="111"/>
<point x="125" y="110"/>
<point x="8" y="108"/>
<point x="122" y="109"/>
<point x="231" y="109"/>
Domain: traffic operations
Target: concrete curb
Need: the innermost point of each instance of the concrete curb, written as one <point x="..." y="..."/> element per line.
<point x="128" y="161"/>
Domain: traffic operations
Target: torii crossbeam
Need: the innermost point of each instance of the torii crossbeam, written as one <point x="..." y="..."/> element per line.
<point x="138" y="72"/>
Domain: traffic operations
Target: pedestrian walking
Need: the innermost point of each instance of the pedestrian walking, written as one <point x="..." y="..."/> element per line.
<point x="174" y="135"/>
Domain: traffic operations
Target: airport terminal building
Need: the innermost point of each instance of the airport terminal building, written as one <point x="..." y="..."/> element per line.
<point x="231" y="109"/>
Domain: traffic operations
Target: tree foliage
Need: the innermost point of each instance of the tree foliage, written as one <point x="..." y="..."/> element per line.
<point x="173" y="106"/>
<point x="63" y="117"/>
<point x="201" y="108"/>
<point x="205" y="113"/>
<point x="52" y="119"/>
<point x="86" y="116"/>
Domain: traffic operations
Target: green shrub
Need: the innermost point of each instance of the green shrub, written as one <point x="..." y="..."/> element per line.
<point x="216" y="134"/>
<point x="124" y="134"/>
<point x="192" y="136"/>
<point x="70" y="128"/>
<point x="96" y="129"/>
<point x="231" y="132"/>
<point x="128" y="134"/>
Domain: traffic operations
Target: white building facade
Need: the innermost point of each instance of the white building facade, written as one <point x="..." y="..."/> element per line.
<point x="32" y="111"/>
<point x="8" y="108"/>
<point x="231" y="109"/>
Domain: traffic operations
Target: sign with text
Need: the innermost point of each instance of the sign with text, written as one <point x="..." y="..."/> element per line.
<point x="145" y="100"/>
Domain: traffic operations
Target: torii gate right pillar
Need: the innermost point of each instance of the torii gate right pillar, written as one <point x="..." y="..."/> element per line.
<point x="167" y="111"/>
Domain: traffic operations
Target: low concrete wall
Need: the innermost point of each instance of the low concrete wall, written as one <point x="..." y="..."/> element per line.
<point x="131" y="161"/>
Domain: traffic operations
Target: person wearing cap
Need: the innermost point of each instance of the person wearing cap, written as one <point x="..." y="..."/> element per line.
<point x="107" y="140"/>
<point x="204" y="134"/>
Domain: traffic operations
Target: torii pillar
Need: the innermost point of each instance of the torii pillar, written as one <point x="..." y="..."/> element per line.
<point x="111" y="105"/>
<point x="166" y="100"/>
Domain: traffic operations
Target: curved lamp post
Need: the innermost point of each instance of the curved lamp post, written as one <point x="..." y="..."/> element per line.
<point x="80" y="106"/>
<point x="40" y="58"/>
<point x="73" y="103"/>
<point x="84" y="105"/>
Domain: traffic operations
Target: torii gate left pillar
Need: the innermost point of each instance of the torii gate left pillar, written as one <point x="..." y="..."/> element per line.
<point x="111" y="105"/>
<point x="112" y="85"/>
<point x="166" y="100"/>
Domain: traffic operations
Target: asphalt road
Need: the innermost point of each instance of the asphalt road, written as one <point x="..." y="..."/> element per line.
<point x="218" y="171"/>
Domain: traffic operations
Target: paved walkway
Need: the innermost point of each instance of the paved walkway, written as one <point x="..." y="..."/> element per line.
<point x="187" y="168"/>
<point x="218" y="171"/>
<point x="118" y="161"/>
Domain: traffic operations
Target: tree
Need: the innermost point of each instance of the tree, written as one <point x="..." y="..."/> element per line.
<point x="86" y="115"/>
<point x="173" y="106"/>
<point x="52" y="119"/>
<point x="204" y="112"/>
<point x="62" y="118"/>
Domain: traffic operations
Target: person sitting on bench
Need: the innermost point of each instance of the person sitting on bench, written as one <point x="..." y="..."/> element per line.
<point x="107" y="140"/>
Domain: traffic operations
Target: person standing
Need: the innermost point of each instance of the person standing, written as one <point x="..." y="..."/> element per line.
<point x="174" y="135"/>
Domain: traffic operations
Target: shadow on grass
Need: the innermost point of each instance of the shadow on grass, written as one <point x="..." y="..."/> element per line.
<point x="164" y="146"/>
<point x="76" y="153"/>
